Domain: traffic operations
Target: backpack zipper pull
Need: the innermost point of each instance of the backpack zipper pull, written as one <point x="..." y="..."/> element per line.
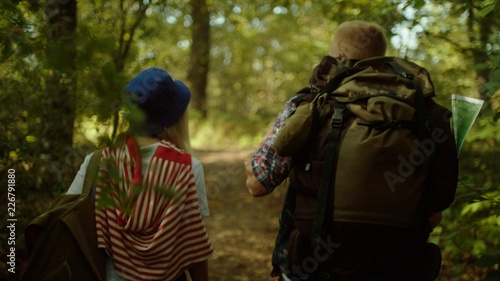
<point x="308" y="166"/>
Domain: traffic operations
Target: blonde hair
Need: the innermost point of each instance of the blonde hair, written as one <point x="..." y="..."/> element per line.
<point x="359" y="40"/>
<point x="178" y="133"/>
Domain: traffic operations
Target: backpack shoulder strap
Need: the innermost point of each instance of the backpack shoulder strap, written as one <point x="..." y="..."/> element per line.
<point x="91" y="173"/>
<point x="326" y="192"/>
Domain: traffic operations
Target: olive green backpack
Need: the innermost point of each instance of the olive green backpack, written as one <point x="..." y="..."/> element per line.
<point x="61" y="244"/>
<point x="369" y="118"/>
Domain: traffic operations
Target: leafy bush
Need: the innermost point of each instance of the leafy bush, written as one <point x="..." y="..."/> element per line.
<point x="471" y="229"/>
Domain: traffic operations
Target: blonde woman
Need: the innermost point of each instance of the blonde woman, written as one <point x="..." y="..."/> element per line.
<point x="152" y="189"/>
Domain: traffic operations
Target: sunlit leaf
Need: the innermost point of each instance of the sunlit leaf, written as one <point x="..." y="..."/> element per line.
<point x="486" y="10"/>
<point x="481" y="66"/>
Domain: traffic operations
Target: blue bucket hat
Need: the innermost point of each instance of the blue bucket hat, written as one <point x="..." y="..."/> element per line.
<point x="162" y="99"/>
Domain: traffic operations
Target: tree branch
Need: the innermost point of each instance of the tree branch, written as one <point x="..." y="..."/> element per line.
<point x="125" y="45"/>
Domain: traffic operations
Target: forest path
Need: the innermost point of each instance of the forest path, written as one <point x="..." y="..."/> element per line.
<point x="242" y="228"/>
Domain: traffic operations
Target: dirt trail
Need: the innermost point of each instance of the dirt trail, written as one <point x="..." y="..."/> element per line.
<point x="241" y="228"/>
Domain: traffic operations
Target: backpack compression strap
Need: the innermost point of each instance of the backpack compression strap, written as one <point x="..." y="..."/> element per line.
<point x="330" y="166"/>
<point x="326" y="193"/>
<point x="286" y="218"/>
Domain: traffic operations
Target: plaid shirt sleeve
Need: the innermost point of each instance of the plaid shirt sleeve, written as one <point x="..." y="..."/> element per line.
<point x="269" y="168"/>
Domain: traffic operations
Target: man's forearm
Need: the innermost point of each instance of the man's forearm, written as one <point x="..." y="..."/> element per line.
<point x="255" y="188"/>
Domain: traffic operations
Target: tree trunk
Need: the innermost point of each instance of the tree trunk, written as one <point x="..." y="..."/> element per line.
<point x="200" y="55"/>
<point x="479" y="54"/>
<point x="58" y="101"/>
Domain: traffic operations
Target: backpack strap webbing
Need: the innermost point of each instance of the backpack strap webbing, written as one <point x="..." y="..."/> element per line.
<point x="328" y="89"/>
<point x="326" y="193"/>
<point x="287" y="218"/>
<point x="330" y="167"/>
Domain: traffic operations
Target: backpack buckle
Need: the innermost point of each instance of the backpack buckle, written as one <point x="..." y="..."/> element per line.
<point x="338" y="115"/>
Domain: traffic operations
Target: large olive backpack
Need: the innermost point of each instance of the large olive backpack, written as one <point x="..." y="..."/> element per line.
<point x="362" y="144"/>
<point x="61" y="243"/>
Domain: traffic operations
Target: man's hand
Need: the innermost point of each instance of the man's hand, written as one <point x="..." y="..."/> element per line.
<point x="253" y="185"/>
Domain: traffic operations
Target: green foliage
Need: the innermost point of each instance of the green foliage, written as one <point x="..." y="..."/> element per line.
<point x="492" y="88"/>
<point x="486" y="7"/>
<point x="262" y="53"/>
<point x="473" y="227"/>
<point x="16" y="20"/>
<point x="470" y="231"/>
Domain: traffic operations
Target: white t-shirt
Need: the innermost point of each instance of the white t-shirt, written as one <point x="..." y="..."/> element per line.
<point x="147" y="153"/>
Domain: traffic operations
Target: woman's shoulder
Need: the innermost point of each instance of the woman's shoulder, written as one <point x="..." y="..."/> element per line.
<point x="195" y="162"/>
